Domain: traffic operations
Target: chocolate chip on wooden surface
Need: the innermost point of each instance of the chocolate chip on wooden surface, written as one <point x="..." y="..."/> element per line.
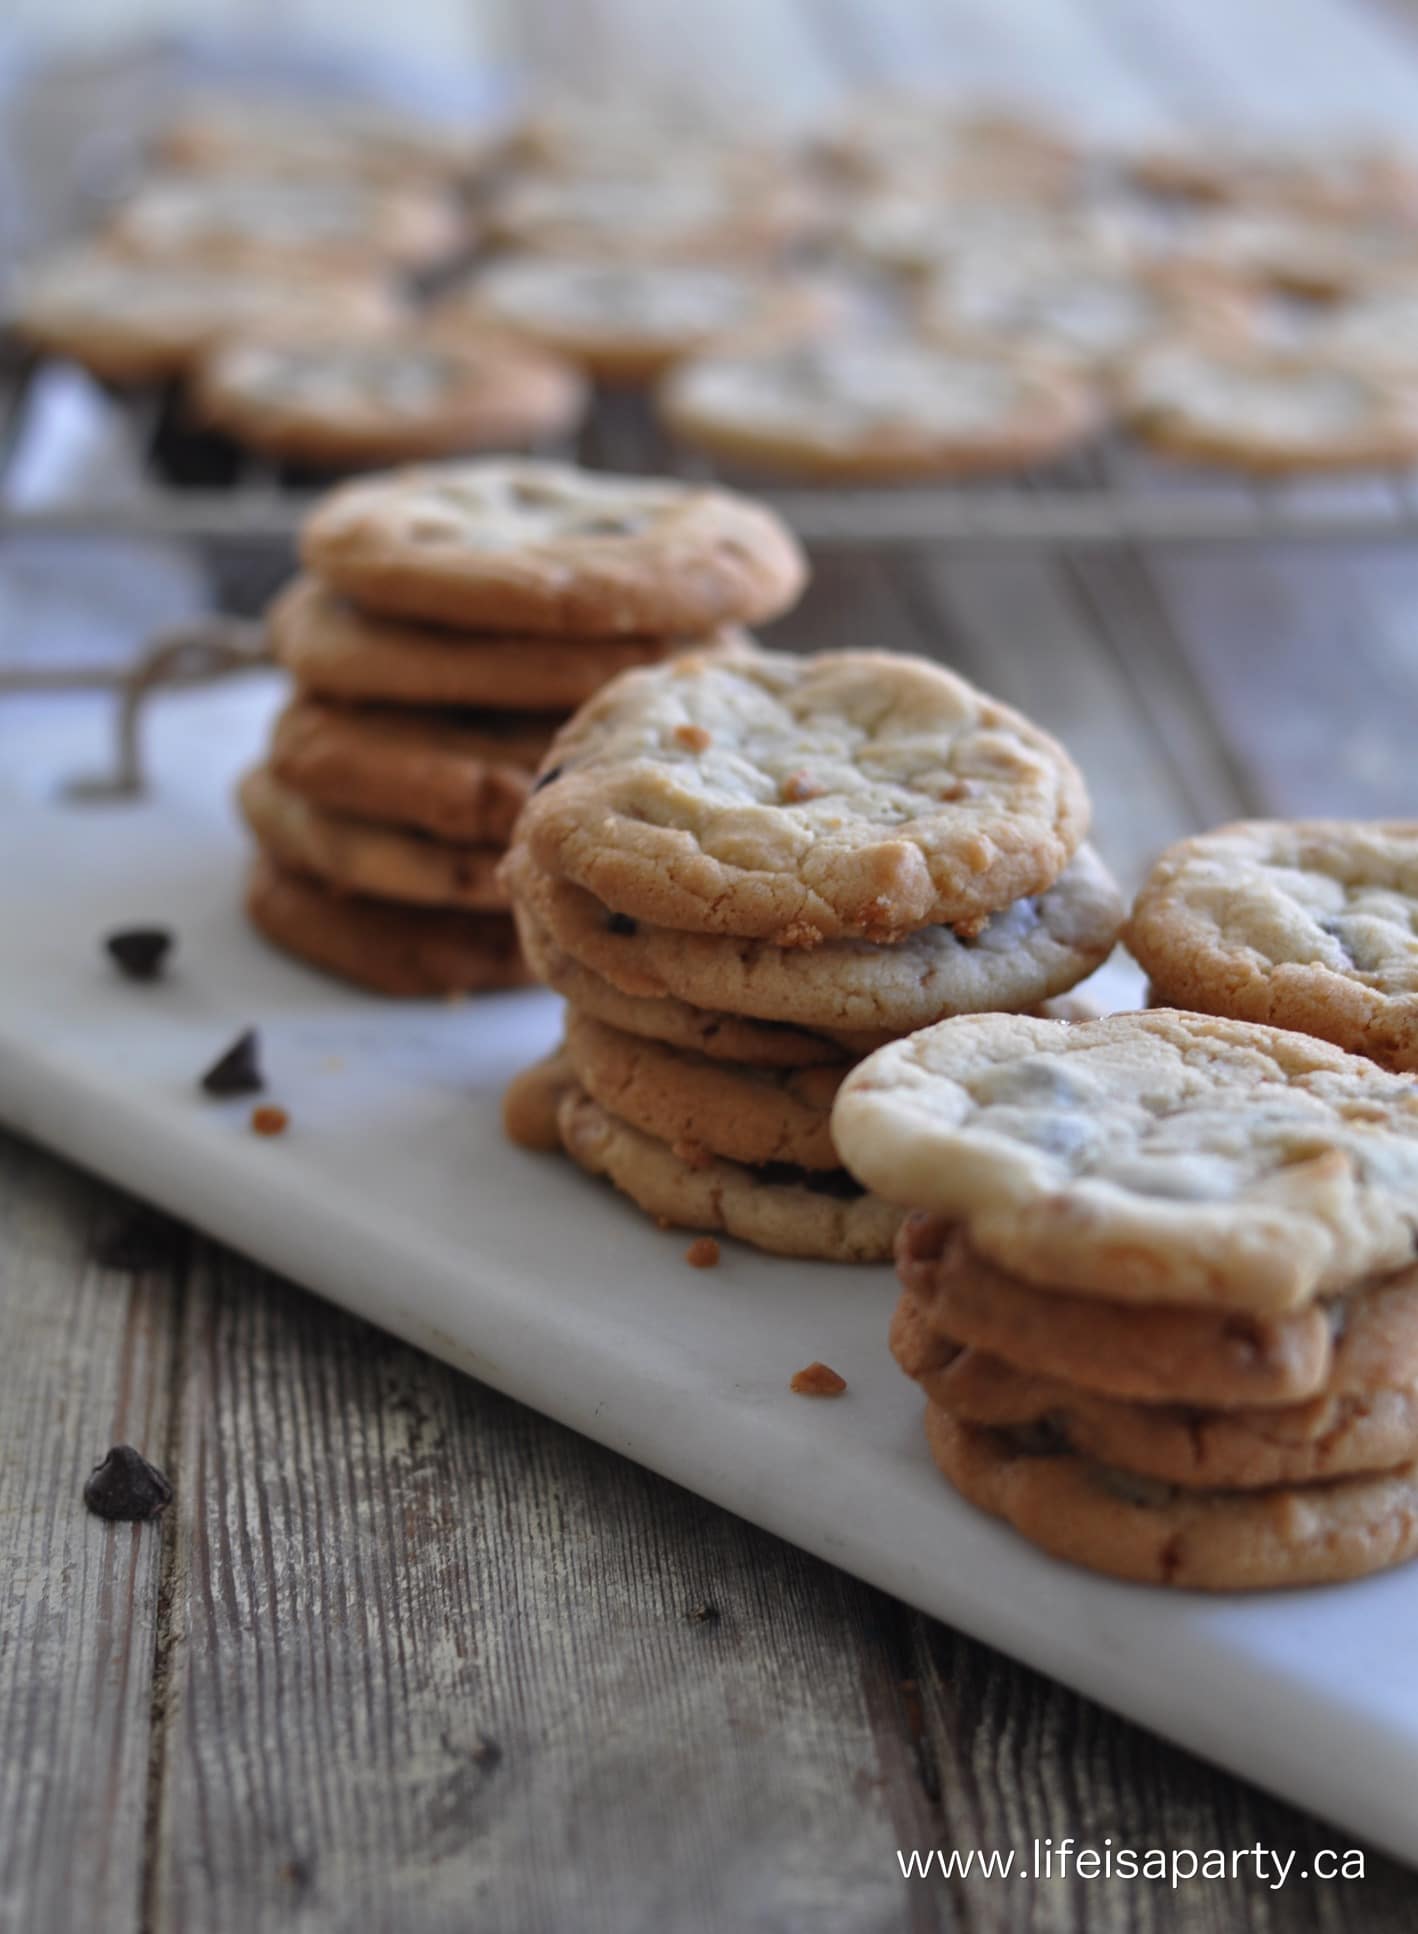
<point x="126" y="1487"/>
<point x="139" y="953"/>
<point x="238" y="1070"/>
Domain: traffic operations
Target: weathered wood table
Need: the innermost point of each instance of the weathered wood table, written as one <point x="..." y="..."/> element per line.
<point x="403" y="1655"/>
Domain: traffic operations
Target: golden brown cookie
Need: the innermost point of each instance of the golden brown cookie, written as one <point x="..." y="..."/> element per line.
<point x="1159" y="1534"/>
<point x="1157" y="1157"/>
<point x="797" y="799"/>
<point x="530" y="1103"/>
<point x="721" y="1035"/>
<point x="1335" y="1434"/>
<point x="699" y="1105"/>
<point x="143" y="322"/>
<point x="511" y="546"/>
<point x="859" y="409"/>
<point x="406" y="951"/>
<point x="627" y="322"/>
<point x="333" y="649"/>
<point x="341" y="401"/>
<point x="1151" y="1354"/>
<point x="1269" y="413"/>
<point x="1307" y="924"/>
<point x="268" y="222"/>
<point x="854" y="989"/>
<point x="820" y="1216"/>
<point x="461" y="776"/>
<point x="356" y="856"/>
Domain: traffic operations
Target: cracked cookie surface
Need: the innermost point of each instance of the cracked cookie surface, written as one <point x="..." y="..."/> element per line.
<point x="795" y="800"/>
<point x="1159" y="1157"/>
<point x="1306" y="924"/>
<point x="543" y="547"/>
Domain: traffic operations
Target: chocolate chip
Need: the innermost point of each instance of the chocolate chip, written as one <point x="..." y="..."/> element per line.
<point x="139" y="952"/>
<point x="238" y="1071"/>
<point x="620" y="923"/>
<point x="126" y="1487"/>
<point x="547" y="777"/>
<point x="835" y="1182"/>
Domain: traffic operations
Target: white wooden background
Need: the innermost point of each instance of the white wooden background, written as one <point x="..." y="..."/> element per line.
<point x="404" y="1656"/>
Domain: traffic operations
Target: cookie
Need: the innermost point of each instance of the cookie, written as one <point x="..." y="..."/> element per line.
<point x="891" y="136"/>
<point x="314" y="140"/>
<point x="547" y="548"/>
<point x="1159" y="1534"/>
<point x="1307" y="924"/>
<point x="1220" y="1450"/>
<point x="1083" y="308"/>
<point x="1297" y="253"/>
<point x="143" y="322"/>
<point x="531" y="1101"/>
<point x="820" y="1216"/>
<point x="458" y="776"/>
<point x="337" y="401"/>
<point x="722" y="1036"/>
<point x="1269" y="414"/>
<point x="705" y="1107"/>
<point x="1137" y="1351"/>
<point x="1030" y="950"/>
<point x="1336" y="182"/>
<point x="800" y="799"/>
<point x="409" y="952"/>
<point x="356" y="856"/>
<point x="912" y="233"/>
<point x="269" y="222"/>
<point x="863" y="408"/>
<point x="331" y="648"/>
<point x="1158" y="1157"/>
<point x="626" y="322"/>
<point x="675" y="213"/>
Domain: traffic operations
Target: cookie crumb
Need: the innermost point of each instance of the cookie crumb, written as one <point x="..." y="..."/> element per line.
<point x="139" y="953"/>
<point x="818" y="1381"/>
<point x="238" y="1070"/>
<point x="268" y="1120"/>
<point x="126" y="1488"/>
<point x="693" y="737"/>
<point x="799" y="786"/>
<point x="702" y="1253"/>
<point x="702" y="1614"/>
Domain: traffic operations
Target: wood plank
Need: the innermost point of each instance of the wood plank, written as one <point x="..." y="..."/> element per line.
<point x="86" y="1359"/>
<point x="448" y="1661"/>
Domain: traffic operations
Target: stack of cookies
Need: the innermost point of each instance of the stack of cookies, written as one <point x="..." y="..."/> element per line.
<point x="744" y="870"/>
<point x="1159" y="1290"/>
<point x="1308" y="924"/>
<point x="450" y="618"/>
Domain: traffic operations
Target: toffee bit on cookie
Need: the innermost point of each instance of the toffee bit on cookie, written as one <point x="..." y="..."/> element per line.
<point x="139" y="953"/>
<point x="238" y="1071"/>
<point x="800" y="786"/>
<point x="702" y="1253"/>
<point x="817" y="1381"/>
<point x="693" y="737"/>
<point x="971" y="929"/>
<point x="269" y="1120"/>
<point x="620" y="923"/>
<point x="126" y="1488"/>
<point x="955" y="790"/>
